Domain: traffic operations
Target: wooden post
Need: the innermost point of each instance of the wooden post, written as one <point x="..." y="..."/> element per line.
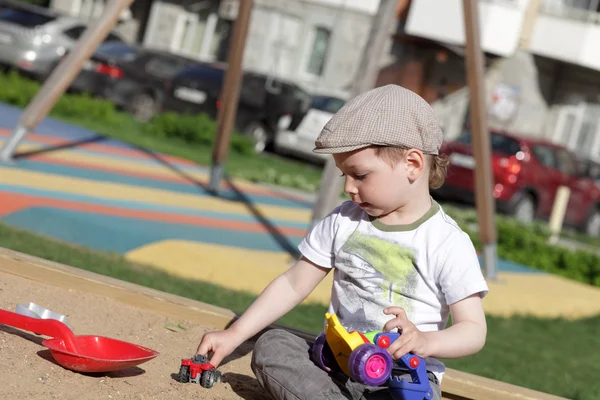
<point x="558" y="213"/>
<point x="230" y="94"/>
<point x="366" y="76"/>
<point x="486" y="207"/>
<point x="62" y="76"/>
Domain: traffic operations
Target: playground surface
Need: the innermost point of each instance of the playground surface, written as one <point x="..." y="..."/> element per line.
<point x="79" y="187"/>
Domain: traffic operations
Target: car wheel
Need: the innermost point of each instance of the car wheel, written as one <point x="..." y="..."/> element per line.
<point x="209" y="378"/>
<point x="370" y="364"/>
<point x="524" y="208"/>
<point x="184" y="374"/>
<point x="142" y="106"/>
<point x="592" y="225"/>
<point x="258" y="132"/>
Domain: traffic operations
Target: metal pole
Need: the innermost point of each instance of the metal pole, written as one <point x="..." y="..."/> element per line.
<point x="62" y="76"/>
<point x="481" y="139"/>
<point x="382" y="28"/>
<point x="230" y="93"/>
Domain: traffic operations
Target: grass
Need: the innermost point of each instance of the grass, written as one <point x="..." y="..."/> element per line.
<point x="551" y="355"/>
<point x="100" y="116"/>
<point x="247" y="166"/>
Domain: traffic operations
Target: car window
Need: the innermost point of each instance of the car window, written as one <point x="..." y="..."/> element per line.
<point x="545" y="156"/>
<point x="206" y="75"/>
<point x="566" y="164"/>
<point x="25" y="18"/>
<point x="113" y="38"/>
<point x="119" y="51"/>
<point x="76" y="31"/>
<point x="164" y="67"/>
<point x="500" y="143"/>
<point x="327" y="104"/>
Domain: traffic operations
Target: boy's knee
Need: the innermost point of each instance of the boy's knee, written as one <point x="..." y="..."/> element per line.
<point x="270" y="346"/>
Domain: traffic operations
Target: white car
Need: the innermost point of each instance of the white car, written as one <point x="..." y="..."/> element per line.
<point x="300" y="142"/>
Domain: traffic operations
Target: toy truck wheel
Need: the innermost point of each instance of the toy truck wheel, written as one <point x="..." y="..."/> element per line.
<point x="184" y="374"/>
<point x="209" y="378"/>
<point x="370" y="364"/>
<point x="322" y="355"/>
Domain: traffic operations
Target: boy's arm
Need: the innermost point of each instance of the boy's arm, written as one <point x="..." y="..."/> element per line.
<point x="466" y="336"/>
<point x="280" y="296"/>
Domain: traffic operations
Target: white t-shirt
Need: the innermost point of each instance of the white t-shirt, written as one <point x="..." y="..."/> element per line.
<point x="422" y="267"/>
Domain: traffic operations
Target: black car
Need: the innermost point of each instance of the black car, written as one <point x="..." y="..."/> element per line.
<point x="129" y="76"/>
<point x="266" y="105"/>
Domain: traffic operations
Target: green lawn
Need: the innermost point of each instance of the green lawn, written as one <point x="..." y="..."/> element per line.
<point x="551" y="355"/>
<point x="180" y="137"/>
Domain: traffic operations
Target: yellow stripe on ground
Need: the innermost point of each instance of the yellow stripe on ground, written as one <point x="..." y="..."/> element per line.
<point x="131" y="165"/>
<point x="542" y="295"/>
<point x="231" y="267"/>
<point x="539" y="295"/>
<point x="117" y="191"/>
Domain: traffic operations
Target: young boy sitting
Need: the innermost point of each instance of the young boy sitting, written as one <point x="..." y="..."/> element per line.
<point x="399" y="261"/>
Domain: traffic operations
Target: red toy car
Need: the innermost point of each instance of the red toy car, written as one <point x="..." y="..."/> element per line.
<point x="198" y="370"/>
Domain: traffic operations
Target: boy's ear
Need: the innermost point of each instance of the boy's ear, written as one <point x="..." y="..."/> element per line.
<point x="415" y="163"/>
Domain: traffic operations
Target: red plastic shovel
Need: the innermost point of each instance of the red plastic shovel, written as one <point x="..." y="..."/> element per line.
<point x="82" y="353"/>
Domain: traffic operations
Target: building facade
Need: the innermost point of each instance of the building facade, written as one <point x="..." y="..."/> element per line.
<point x="315" y="43"/>
<point x="542" y="66"/>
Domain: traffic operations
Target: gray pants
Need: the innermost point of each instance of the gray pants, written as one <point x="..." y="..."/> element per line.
<point x="281" y="362"/>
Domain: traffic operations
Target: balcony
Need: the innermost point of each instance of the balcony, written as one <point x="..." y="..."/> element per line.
<point x="568" y="30"/>
<point x="442" y="21"/>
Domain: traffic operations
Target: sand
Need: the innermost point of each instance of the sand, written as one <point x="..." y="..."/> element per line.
<point x="28" y="371"/>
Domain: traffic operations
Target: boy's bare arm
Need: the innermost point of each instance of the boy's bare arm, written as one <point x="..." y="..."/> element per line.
<point x="466" y="336"/>
<point x="280" y="296"/>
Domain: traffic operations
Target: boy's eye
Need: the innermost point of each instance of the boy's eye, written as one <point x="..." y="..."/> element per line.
<point x="343" y="174"/>
<point x="361" y="176"/>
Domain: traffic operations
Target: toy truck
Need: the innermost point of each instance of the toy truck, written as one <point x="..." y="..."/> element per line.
<point x="364" y="358"/>
<point x="198" y="370"/>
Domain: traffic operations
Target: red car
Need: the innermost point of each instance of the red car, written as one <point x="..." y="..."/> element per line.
<point x="527" y="172"/>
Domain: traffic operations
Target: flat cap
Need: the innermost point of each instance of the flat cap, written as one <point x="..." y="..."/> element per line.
<point x="385" y="116"/>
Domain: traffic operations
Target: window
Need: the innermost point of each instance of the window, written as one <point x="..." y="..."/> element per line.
<point x="327" y="104"/>
<point x="320" y="46"/>
<point x="164" y="67"/>
<point x="119" y="51"/>
<point x="76" y="32"/>
<point x="566" y="164"/>
<point x="545" y="156"/>
<point x="28" y="19"/>
<point x="500" y="143"/>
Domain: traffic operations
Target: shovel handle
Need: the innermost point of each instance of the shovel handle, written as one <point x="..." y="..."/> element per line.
<point x="46" y="327"/>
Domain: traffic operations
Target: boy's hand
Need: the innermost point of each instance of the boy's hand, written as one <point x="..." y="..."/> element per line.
<point x="410" y="340"/>
<point x="221" y="343"/>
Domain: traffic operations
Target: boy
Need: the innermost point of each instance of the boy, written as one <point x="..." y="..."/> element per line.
<point x="400" y="262"/>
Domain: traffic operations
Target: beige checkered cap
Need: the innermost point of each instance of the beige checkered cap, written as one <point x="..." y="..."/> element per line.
<point x="386" y="116"/>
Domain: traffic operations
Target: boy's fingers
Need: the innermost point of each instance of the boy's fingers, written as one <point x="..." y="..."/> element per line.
<point x="391" y="324"/>
<point x="402" y="324"/>
<point x="397" y="311"/>
<point x="216" y="359"/>
<point x="204" y="347"/>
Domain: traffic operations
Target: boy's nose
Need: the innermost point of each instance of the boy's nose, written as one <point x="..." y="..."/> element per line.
<point x="349" y="186"/>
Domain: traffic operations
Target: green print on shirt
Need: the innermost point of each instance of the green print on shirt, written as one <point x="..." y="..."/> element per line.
<point x="393" y="263"/>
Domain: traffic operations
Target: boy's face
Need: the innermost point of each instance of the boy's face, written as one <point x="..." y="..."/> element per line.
<point x="378" y="186"/>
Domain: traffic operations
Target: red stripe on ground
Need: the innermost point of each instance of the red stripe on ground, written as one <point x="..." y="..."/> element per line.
<point x="12" y="202"/>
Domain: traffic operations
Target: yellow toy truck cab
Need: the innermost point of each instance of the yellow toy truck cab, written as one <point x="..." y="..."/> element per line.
<point x="341" y="342"/>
